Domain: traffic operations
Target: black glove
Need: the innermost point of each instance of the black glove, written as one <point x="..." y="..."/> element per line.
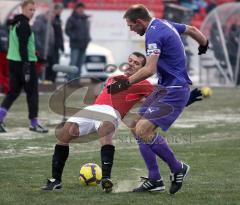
<point x="121" y="83"/>
<point x="26" y="71"/>
<point x="195" y="95"/>
<point x="202" y="49"/>
<point x="41" y="60"/>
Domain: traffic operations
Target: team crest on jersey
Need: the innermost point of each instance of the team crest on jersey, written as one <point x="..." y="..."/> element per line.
<point x="152" y="46"/>
<point x="152" y="49"/>
<point x="153" y="52"/>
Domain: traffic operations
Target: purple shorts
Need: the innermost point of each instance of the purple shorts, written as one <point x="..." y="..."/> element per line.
<point x="164" y="105"/>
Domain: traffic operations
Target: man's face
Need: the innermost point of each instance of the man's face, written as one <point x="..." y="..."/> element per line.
<point x="80" y="10"/>
<point x="135" y="63"/>
<point x="137" y="27"/>
<point x="58" y="11"/>
<point x="29" y="10"/>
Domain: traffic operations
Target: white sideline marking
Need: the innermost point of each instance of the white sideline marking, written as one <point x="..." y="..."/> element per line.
<point x="42" y="151"/>
<point x="22" y="133"/>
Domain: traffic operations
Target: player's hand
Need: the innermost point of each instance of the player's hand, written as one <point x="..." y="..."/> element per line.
<point x="203" y="49"/>
<point x="42" y="60"/>
<point x="119" y="84"/>
<point x="195" y="95"/>
<point x="26" y="71"/>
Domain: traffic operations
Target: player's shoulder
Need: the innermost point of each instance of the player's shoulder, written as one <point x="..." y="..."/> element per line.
<point x="155" y="30"/>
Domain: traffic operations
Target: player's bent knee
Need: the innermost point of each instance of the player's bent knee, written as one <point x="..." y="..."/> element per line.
<point x="144" y="132"/>
<point x="73" y="130"/>
<point x="141" y="132"/>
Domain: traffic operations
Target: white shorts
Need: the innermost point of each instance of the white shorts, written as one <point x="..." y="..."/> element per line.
<point x="91" y="117"/>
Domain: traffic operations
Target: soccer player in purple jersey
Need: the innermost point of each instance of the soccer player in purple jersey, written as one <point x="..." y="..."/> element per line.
<point x="166" y="57"/>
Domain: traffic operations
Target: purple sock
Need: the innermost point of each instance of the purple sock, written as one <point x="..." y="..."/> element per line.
<point x="34" y="122"/>
<point x="150" y="161"/>
<point x="161" y="148"/>
<point x="3" y="113"/>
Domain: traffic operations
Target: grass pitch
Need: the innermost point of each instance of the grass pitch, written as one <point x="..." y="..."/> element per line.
<point x="207" y="137"/>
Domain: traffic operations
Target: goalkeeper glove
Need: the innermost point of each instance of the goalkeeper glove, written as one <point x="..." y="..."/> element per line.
<point x="120" y="83"/>
<point x="202" y="49"/>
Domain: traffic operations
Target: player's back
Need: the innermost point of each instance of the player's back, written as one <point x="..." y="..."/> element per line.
<point x="171" y="65"/>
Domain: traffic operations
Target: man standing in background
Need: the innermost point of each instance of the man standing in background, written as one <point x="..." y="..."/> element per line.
<point x="41" y="29"/>
<point x="58" y="36"/>
<point x="22" y="73"/>
<point x="78" y="31"/>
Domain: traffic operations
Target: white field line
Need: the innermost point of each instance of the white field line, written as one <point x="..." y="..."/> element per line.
<point x="23" y="133"/>
<point x="40" y="151"/>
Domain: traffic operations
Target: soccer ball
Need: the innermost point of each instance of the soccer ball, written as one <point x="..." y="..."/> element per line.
<point x="90" y="174"/>
<point x="206" y="92"/>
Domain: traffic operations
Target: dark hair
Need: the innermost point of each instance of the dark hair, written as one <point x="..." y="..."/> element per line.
<point x="58" y="6"/>
<point x="26" y="2"/>
<point x="138" y="54"/>
<point x="137" y="11"/>
<point x="80" y="4"/>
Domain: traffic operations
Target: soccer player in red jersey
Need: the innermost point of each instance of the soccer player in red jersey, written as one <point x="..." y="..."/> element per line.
<point x="102" y="118"/>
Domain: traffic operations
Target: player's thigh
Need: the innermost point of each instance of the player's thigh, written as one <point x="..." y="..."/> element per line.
<point x="69" y="131"/>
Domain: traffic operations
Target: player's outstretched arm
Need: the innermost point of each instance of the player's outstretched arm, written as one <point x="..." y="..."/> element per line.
<point x="198" y="36"/>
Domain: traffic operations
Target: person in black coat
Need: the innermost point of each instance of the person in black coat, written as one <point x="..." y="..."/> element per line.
<point x="78" y="31"/>
<point x="58" y="36"/>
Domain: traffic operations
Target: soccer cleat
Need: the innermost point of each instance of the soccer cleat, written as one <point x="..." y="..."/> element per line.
<point x="38" y="128"/>
<point x="150" y="186"/>
<point x="2" y="127"/>
<point x="52" y="184"/>
<point x="107" y="185"/>
<point x="177" y="178"/>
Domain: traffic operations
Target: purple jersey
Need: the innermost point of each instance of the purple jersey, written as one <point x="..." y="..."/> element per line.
<point x="162" y="37"/>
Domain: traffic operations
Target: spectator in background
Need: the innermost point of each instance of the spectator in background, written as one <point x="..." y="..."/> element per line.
<point x="211" y="5"/>
<point x="3" y="58"/>
<point x="194" y="5"/>
<point x="78" y="31"/>
<point x="58" y="36"/>
<point x="41" y="30"/>
<point x="65" y="3"/>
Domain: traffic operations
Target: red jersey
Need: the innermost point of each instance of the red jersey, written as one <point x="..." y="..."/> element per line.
<point x="124" y="100"/>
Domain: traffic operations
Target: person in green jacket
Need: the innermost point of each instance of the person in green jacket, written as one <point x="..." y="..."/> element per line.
<point x="22" y="74"/>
